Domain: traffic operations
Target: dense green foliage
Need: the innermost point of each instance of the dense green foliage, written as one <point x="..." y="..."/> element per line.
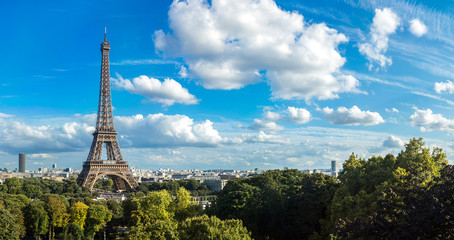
<point x="392" y="198"/>
<point x="36" y="188"/>
<point x="278" y="204"/>
<point x="409" y="196"/>
<point x="45" y="214"/>
<point x="159" y="216"/>
<point x="105" y="184"/>
<point x="196" y="188"/>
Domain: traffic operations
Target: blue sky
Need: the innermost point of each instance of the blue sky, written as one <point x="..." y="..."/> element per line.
<point x="236" y="84"/>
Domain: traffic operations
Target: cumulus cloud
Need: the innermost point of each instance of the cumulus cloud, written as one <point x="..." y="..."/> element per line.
<point x="428" y="121"/>
<point x="230" y="44"/>
<point x="167" y="130"/>
<point x="298" y="115"/>
<point x="272" y="116"/>
<point x="263" y="124"/>
<point x="291" y="114"/>
<point x="154" y="130"/>
<point x="18" y="136"/>
<point x="168" y="92"/>
<point x="441" y="87"/>
<point x="417" y="28"/>
<point x="263" y="137"/>
<point x="393" y="142"/>
<point x="353" y="116"/>
<point x="385" y="23"/>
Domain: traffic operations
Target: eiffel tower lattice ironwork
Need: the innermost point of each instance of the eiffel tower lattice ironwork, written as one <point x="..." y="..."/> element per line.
<point x="114" y="166"/>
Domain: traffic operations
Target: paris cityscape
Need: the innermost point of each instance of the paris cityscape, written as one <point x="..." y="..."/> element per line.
<point x="227" y="119"/>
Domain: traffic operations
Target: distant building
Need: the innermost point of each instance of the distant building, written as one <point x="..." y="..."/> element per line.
<point x="334" y="168"/>
<point x="22" y="162"/>
<point x="54" y="165"/>
<point x="215" y="185"/>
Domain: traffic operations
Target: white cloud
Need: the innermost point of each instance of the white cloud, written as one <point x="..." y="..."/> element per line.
<point x="427" y="121"/>
<point x="18" y="136"/>
<point x="4" y="115"/>
<point x="272" y="116"/>
<point x="230" y="44"/>
<point x="384" y="24"/>
<point x="291" y="114"/>
<point x="417" y="28"/>
<point x="393" y="142"/>
<point x="353" y="116"/>
<point x="437" y="20"/>
<point x="392" y="110"/>
<point x="436" y="97"/>
<point x="41" y="156"/>
<point x="168" y="92"/>
<point x="183" y="72"/>
<point x="154" y="130"/>
<point x="143" y="62"/>
<point x="263" y="124"/>
<point x="263" y="137"/>
<point x="167" y="130"/>
<point x="299" y="115"/>
<point x="447" y="86"/>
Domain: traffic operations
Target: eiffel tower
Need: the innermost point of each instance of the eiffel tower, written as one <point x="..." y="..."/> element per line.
<point x="114" y="166"/>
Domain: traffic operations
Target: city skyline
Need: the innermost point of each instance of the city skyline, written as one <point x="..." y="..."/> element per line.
<point x="227" y="84"/>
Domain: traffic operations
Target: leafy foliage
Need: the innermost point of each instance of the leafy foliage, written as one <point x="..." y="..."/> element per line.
<point x="36" y="219"/>
<point x="97" y="217"/>
<point x="194" y="187"/>
<point x="274" y="205"/>
<point x="407" y="202"/>
<point x="9" y="226"/>
<point x="212" y="228"/>
<point x="78" y="213"/>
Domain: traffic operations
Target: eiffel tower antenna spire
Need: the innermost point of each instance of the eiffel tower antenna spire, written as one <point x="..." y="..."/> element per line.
<point x="105" y="33"/>
<point x="105" y="135"/>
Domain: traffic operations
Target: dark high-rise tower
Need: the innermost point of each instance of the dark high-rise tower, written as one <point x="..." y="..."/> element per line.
<point x="22" y="162"/>
<point x="105" y="135"/>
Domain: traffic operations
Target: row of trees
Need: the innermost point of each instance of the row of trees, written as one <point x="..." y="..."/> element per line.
<point x="159" y="216"/>
<point x="403" y="197"/>
<point x="154" y="215"/>
<point x="52" y="214"/>
<point x="36" y="188"/>
<point x="193" y="186"/>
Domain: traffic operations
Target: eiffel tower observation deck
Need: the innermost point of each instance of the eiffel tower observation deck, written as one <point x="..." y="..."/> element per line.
<point x="105" y="139"/>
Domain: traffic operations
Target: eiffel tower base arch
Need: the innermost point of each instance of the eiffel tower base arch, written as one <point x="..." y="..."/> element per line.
<point x="120" y="175"/>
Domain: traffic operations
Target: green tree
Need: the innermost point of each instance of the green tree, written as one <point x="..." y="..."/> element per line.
<point x="105" y="184"/>
<point x="97" y="218"/>
<point x="388" y="195"/>
<point x="78" y="214"/>
<point x="9" y="226"/>
<point x="72" y="231"/>
<point x="36" y="219"/>
<point x="58" y="216"/>
<point x="32" y="191"/>
<point x="182" y="205"/>
<point x="409" y="210"/>
<point x="15" y="204"/>
<point x="273" y="205"/>
<point x="14" y="185"/>
<point x="152" y="217"/>
<point x="212" y="228"/>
